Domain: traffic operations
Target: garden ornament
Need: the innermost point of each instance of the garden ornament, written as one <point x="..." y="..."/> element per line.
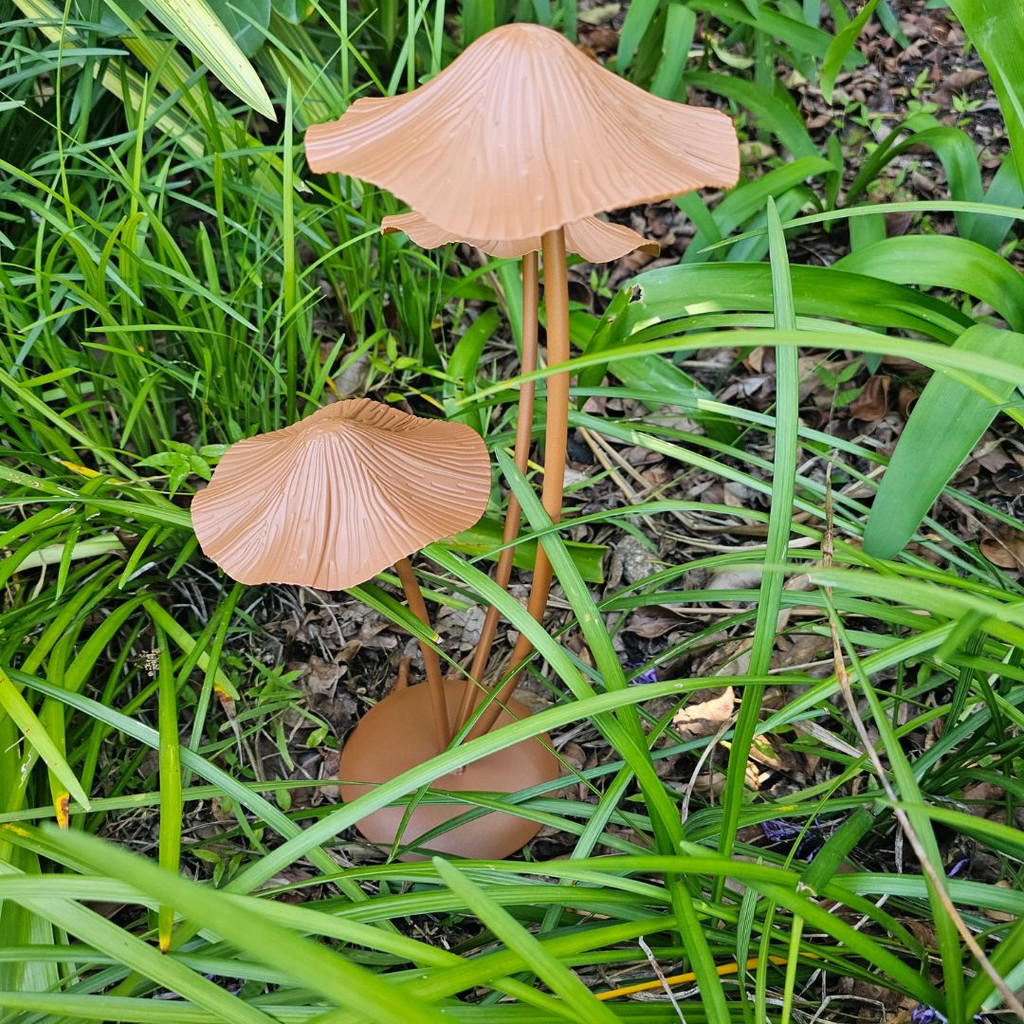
<point x="515" y="143"/>
<point x="331" y="501"/>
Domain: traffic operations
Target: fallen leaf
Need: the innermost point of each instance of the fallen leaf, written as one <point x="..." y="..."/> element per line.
<point x="1005" y="550"/>
<point x="873" y="401"/>
<point x="322" y="676"/>
<point x="705" y="717"/>
<point x="960" y="81"/>
<point x="907" y="399"/>
<point x="652" y="622"/>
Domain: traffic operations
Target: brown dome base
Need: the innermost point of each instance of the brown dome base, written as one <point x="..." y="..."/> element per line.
<point x="398" y="734"/>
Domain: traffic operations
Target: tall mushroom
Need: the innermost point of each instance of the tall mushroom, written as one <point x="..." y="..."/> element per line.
<point x="329" y="502"/>
<point x="518" y="138"/>
<point x="597" y="241"/>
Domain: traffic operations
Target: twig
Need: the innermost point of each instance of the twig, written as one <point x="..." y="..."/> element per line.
<point x="661" y="977"/>
<point x="938" y="883"/>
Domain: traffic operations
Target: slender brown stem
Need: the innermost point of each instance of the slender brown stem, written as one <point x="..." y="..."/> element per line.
<point x="556" y="432"/>
<point x="431" y="662"/>
<point x="513" y="514"/>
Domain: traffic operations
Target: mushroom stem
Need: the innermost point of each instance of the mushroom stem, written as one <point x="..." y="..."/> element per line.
<point x="556" y="432"/>
<point x="513" y="514"/>
<point x="431" y="662"/>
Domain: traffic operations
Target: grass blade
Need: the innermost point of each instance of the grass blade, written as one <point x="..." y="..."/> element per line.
<point x="944" y="426"/>
<point x="996" y="27"/>
<point x="170" y="783"/>
<point x="556" y="975"/>
<point x="38" y="738"/>
<point x="198" y="28"/>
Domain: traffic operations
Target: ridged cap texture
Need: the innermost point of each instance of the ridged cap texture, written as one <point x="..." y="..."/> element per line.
<point x="523" y="133"/>
<point x="597" y="241"/>
<point x="335" y="498"/>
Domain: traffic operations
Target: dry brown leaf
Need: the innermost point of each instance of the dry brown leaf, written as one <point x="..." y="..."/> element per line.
<point x="907" y="399"/>
<point x="1005" y="550"/>
<point x="708" y="785"/>
<point x="873" y="401"/>
<point x="1000" y="915"/>
<point x="652" y="622"/>
<point x="322" y="676"/>
<point x="734" y="579"/>
<point x="960" y="81"/>
<point x="705" y="717"/>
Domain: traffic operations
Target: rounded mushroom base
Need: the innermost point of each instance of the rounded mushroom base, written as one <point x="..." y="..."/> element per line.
<point x="398" y="734"/>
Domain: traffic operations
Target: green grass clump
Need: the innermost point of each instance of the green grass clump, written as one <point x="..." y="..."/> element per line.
<point x="172" y="279"/>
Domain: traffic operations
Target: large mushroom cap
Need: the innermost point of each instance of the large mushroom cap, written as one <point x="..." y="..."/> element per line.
<point x="597" y="241"/>
<point x="523" y="133"/>
<point x="332" y="500"/>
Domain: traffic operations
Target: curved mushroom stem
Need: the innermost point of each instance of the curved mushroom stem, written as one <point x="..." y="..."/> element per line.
<point x="431" y="662"/>
<point x="556" y="432"/>
<point x="514" y="514"/>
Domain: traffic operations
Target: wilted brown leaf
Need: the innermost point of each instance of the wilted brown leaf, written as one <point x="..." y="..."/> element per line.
<point x="652" y="622"/>
<point x="705" y="717"/>
<point x="873" y="401"/>
<point x="1005" y="550"/>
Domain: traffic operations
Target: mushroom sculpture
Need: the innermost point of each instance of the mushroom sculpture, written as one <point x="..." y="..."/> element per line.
<point x="329" y="502"/>
<point x="515" y="146"/>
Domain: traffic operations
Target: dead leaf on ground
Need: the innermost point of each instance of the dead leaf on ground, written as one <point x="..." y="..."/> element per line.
<point x="322" y="676"/>
<point x="958" y="82"/>
<point x="652" y="622"/>
<point x="1005" y="550"/>
<point x="734" y="579"/>
<point x="702" y="718"/>
<point x="873" y="401"/>
<point x="907" y="399"/>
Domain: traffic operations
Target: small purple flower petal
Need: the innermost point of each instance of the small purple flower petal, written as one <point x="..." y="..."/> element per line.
<point x="649" y="675"/>
<point x="777" y="830"/>
<point x="958" y="867"/>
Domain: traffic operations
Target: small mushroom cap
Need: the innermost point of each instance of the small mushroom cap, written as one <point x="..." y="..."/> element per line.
<point x="335" y="498"/>
<point x="523" y="133"/>
<point x="597" y="241"/>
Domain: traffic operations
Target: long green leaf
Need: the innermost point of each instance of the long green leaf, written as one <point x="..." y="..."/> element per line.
<point x="36" y="736"/>
<point x="840" y="47"/>
<point x="630" y="742"/>
<point x="94" y="929"/>
<point x="944" y="261"/>
<point x="554" y="974"/>
<point x="408" y="782"/>
<point x="324" y="971"/>
<point x="946" y="423"/>
<point x="780" y="527"/>
<point x="170" y="782"/>
<point x="198" y="28"/>
<point x="996" y="27"/>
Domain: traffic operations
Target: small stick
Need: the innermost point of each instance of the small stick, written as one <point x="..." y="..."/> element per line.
<point x="431" y="662"/>
<point x="938" y="884"/>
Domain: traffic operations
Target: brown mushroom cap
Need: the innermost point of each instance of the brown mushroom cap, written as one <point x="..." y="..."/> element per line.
<point x="332" y="500"/>
<point x="523" y="133"/>
<point x="597" y="241"/>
